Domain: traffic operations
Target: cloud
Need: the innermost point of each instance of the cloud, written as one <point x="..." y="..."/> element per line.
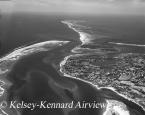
<point x="123" y="1"/>
<point x="82" y="6"/>
<point x="5" y="0"/>
<point x="6" y="6"/>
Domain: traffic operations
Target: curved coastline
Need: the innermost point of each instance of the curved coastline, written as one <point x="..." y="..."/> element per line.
<point x="99" y="88"/>
<point x="25" y="50"/>
<point x="8" y="61"/>
<point x="48" y="45"/>
<point x="83" y="36"/>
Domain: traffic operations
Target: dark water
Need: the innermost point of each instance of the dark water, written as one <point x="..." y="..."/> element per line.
<point x="108" y="31"/>
<point x="23" y="29"/>
<point x="34" y="79"/>
<point x="45" y="83"/>
<point x="126" y="29"/>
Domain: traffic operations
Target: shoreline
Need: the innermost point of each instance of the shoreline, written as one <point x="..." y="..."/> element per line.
<point x="10" y="59"/>
<point x="82" y="37"/>
<point x="46" y="46"/>
<point x="25" y="50"/>
<point x="94" y="85"/>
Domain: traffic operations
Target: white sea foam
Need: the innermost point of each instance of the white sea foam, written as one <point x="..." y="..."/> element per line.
<point x="85" y="38"/>
<point x="63" y="62"/>
<point x="22" y="51"/>
<point x="42" y="46"/>
<point x="127" y="44"/>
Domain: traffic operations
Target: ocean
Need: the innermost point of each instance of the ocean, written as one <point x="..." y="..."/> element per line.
<point x="22" y="29"/>
<point x="87" y="59"/>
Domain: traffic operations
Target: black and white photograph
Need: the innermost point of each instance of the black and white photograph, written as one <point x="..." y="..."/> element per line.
<point x="72" y="57"/>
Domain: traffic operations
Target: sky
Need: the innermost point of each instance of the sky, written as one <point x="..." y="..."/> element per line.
<point x="93" y="7"/>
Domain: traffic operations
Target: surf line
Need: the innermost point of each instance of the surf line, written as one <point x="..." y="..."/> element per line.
<point x="85" y="38"/>
<point x="127" y="44"/>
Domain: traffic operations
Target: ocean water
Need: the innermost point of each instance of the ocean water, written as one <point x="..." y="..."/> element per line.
<point x="22" y="29"/>
<point x="60" y="59"/>
<point x="125" y="33"/>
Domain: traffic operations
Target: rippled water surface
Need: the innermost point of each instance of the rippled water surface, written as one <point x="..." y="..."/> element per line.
<point x="72" y="66"/>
